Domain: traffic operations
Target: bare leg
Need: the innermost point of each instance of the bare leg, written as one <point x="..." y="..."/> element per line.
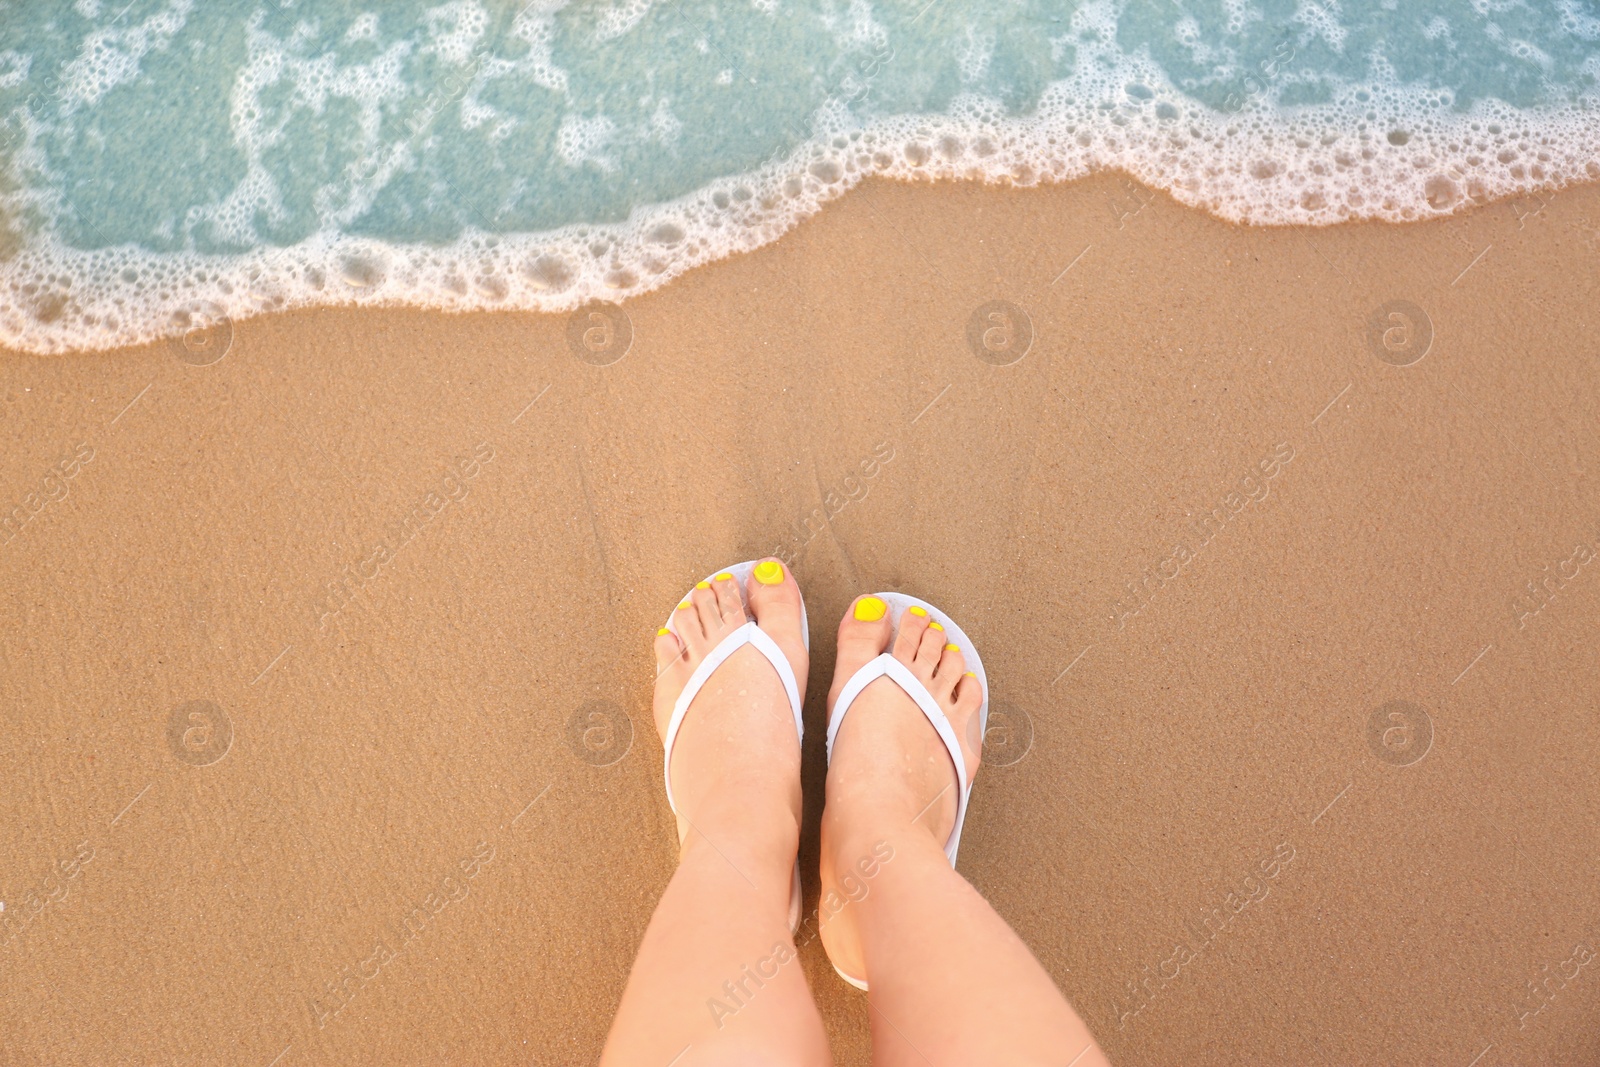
<point x="716" y="980"/>
<point x="950" y="982"/>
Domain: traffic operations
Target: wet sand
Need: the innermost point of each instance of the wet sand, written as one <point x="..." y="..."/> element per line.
<point x="327" y="663"/>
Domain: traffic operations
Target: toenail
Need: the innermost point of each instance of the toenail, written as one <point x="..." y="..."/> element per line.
<point x="769" y="572"/>
<point x="918" y="612"/>
<point x="870" y="609"/>
<point x="935" y="626"/>
<point x="724" y="576"/>
<point x="971" y="674"/>
<point x="952" y="648"/>
<point x="684" y="606"/>
<point x="702" y="585"/>
<point x="663" y="632"/>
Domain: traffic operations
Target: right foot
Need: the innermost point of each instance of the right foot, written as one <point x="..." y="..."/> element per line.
<point x="889" y="774"/>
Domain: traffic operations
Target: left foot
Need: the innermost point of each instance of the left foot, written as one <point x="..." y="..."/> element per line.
<point x="890" y="775"/>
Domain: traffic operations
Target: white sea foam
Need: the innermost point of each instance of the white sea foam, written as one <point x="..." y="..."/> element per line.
<point x="1377" y="151"/>
<point x="456" y="28"/>
<point x="112" y="56"/>
<point x="364" y="28"/>
<point x="14" y="67"/>
<point x="618" y="19"/>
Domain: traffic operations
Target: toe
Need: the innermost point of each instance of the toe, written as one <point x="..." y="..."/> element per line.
<point x="704" y="599"/>
<point x="949" y="671"/>
<point x="729" y="606"/>
<point x="863" y="635"/>
<point x="913" y="624"/>
<point x="686" y="620"/>
<point x="776" y="604"/>
<point x="930" y="646"/>
<point x="668" y="649"/>
<point x="965" y="720"/>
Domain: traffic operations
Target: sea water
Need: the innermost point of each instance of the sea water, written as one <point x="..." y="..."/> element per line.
<point x="167" y="162"/>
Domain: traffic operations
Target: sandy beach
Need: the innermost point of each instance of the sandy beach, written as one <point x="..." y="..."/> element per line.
<point x="328" y="662"/>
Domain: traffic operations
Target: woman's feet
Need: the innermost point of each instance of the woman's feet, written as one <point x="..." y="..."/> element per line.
<point x="889" y="774"/>
<point x="735" y="766"/>
<point x="951" y="983"/>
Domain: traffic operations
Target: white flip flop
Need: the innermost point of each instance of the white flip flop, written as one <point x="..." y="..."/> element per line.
<point x="886" y="666"/>
<point x="753" y="635"/>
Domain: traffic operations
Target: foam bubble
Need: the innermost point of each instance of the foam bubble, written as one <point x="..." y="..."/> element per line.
<point x="14" y="67"/>
<point x="583" y="140"/>
<point x="618" y="19"/>
<point x="112" y="56"/>
<point x="455" y="29"/>
<point x="363" y="28"/>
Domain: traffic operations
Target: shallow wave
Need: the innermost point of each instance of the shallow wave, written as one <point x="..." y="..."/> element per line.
<point x="1377" y="150"/>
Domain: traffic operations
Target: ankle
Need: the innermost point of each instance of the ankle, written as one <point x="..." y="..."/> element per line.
<point x="761" y="832"/>
<point x="853" y="833"/>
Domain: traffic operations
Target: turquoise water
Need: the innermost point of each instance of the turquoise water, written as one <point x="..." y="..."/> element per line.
<point x="162" y="161"/>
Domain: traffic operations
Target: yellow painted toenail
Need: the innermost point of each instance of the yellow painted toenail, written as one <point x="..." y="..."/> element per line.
<point x="935" y="626"/>
<point x="684" y="606"/>
<point x="702" y="585"/>
<point x="870" y="609"/>
<point x="724" y="576"/>
<point x="952" y="648"/>
<point x="971" y="674"/>
<point x="663" y="632"/>
<point x="918" y="612"/>
<point x="769" y="572"/>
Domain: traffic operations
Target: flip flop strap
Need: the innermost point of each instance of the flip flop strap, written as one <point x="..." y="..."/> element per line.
<point x="748" y="634"/>
<point x="886" y="666"/>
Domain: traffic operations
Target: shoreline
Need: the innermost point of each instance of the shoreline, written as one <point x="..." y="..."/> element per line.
<point x="559" y="270"/>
